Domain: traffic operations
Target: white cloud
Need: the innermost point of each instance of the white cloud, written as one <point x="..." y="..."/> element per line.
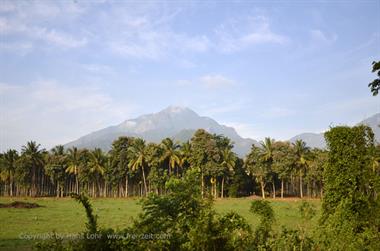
<point x="39" y="24"/>
<point x="216" y="81"/>
<point x="51" y="36"/>
<point x="242" y="33"/>
<point x="53" y="113"/>
<point x="320" y="37"/>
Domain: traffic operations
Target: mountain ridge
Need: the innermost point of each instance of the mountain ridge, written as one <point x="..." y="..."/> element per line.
<point x="175" y="122"/>
<point x="180" y="123"/>
<point x="317" y="139"/>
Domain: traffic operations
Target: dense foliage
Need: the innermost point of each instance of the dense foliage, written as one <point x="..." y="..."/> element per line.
<point x="180" y="216"/>
<point x="135" y="168"/>
<point x="351" y="205"/>
<point x="375" y="84"/>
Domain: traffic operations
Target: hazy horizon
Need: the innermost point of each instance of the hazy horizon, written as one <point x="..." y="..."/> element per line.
<point x="68" y="68"/>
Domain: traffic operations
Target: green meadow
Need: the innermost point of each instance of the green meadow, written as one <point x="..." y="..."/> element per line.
<point x="65" y="216"/>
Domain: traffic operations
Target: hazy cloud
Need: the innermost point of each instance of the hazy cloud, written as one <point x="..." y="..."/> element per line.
<point x="216" y="81"/>
<point x="53" y="113"/>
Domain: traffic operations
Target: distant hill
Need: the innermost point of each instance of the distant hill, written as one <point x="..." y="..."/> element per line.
<point x="178" y="123"/>
<point x="317" y="139"/>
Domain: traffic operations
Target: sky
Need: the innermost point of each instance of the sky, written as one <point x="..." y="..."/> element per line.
<point x="267" y="68"/>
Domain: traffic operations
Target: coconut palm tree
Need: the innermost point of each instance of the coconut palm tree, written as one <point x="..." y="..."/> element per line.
<point x="228" y="164"/>
<point x="170" y="154"/>
<point x="33" y="159"/>
<point x="55" y="168"/>
<point x="137" y="155"/>
<point x="97" y="164"/>
<point x="185" y="154"/>
<point x="301" y="151"/>
<point x="74" y="164"/>
<point x="8" y="168"/>
<point x="267" y="155"/>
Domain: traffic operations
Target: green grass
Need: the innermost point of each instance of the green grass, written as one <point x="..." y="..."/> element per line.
<point x="66" y="216"/>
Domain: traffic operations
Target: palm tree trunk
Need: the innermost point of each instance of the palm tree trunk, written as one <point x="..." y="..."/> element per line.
<point x="143" y="172"/>
<point x="57" y="190"/>
<point x="301" y="185"/>
<point x="222" y="192"/>
<point x="126" y="186"/>
<point x="274" y="189"/>
<point x="262" y="188"/>
<point x="11" y="187"/>
<point x="282" y="188"/>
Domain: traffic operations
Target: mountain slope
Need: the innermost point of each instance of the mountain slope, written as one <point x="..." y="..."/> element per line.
<point x="178" y="123"/>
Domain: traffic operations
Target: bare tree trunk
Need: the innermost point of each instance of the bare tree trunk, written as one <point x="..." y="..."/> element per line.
<point x="274" y="189"/>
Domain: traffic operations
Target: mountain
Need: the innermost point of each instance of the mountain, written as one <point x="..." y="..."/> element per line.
<point x="374" y="123"/>
<point x="178" y="123"/>
<point x="318" y="140"/>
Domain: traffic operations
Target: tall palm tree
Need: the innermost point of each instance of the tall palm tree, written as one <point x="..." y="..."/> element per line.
<point x="301" y="150"/>
<point x="137" y="154"/>
<point x="8" y="168"/>
<point x="185" y="154"/>
<point x="170" y="153"/>
<point x="33" y="159"/>
<point x="55" y="168"/>
<point x="74" y="165"/>
<point x="267" y="155"/>
<point x="228" y="164"/>
<point x="97" y="164"/>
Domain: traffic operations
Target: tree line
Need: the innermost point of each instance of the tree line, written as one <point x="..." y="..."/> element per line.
<point x="349" y="219"/>
<point x="134" y="167"/>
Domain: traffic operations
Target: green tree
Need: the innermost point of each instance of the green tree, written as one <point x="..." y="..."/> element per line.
<point x="56" y="164"/>
<point x="170" y="154"/>
<point x="375" y="84"/>
<point x="283" y="161"/>
<point x="267" y="150"/>
<point x="185" y="154"/>
<point x="8" y="165"/>
<point x="74" y="165"/>
<point x="228" y="165"/>
<point x="119" y="171"/>
<point x="32" y="159"/>
<point x="97" y="164"/>
<point x="350" y="208"/>
<point x="257" y="166"/>
<point x="204" y="153"/>
<point x="137" y="155"/>
<point x="301" y="151"/>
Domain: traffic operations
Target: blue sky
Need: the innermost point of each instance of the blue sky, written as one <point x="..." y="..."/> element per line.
<point x="267" y="68"/>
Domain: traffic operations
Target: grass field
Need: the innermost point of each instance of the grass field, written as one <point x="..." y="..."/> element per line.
<point x="65" y="216"/>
